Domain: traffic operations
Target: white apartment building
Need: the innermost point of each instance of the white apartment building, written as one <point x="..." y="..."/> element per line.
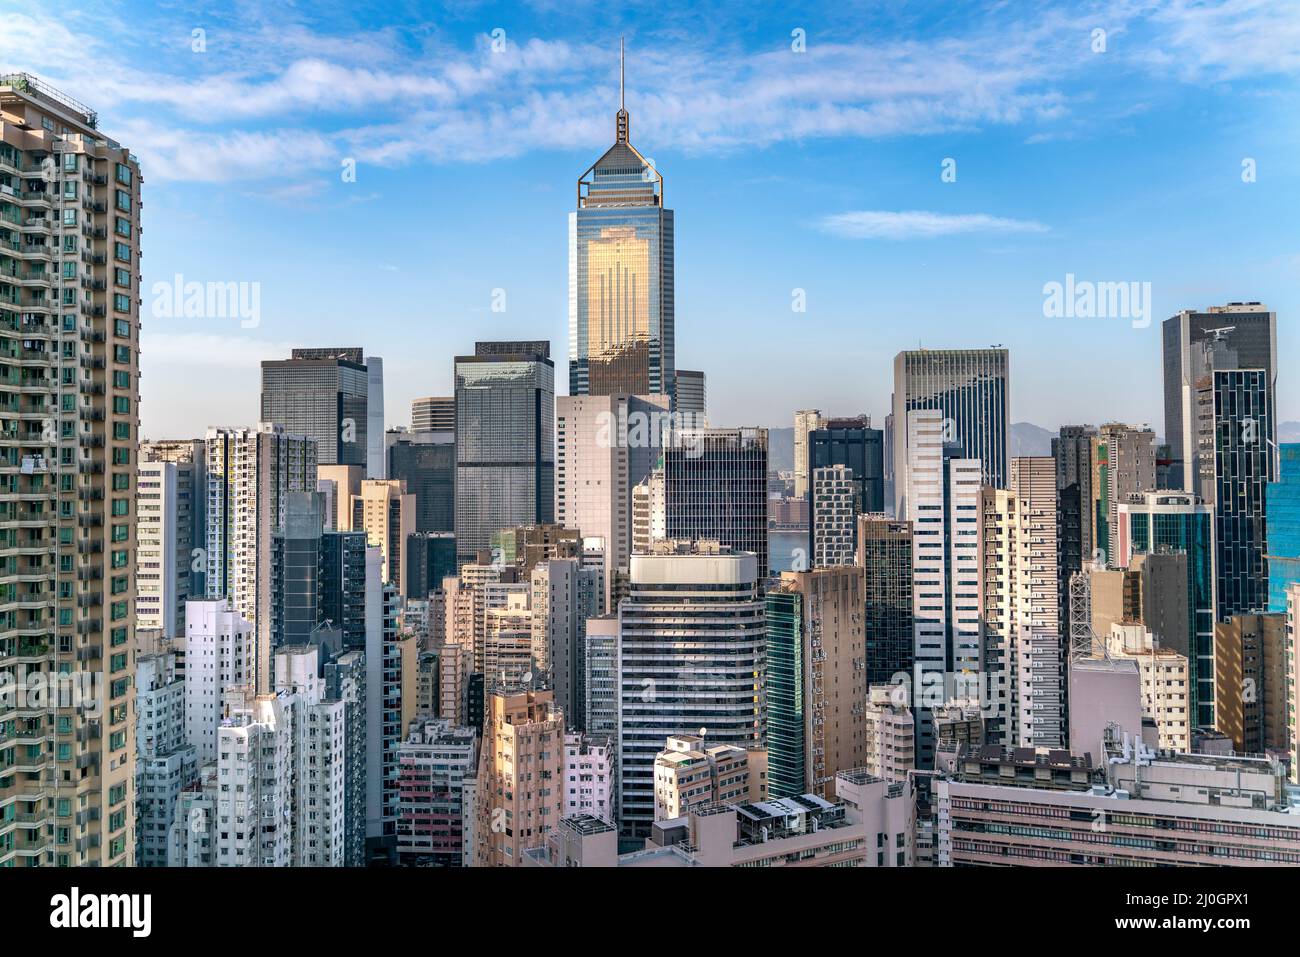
<point x="589" y="766"/>
<point x="1165" y="680"/>
<point x="219" y="663"/>
<point x="943" y="500"/>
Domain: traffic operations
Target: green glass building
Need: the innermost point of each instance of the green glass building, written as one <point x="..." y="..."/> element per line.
<point x="785" y="703"/>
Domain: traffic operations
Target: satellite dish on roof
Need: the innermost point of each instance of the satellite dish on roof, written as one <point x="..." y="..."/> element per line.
<point x="702" y="731"/>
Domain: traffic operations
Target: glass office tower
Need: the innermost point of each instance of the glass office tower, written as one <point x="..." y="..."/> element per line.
<point x="970" y="387"/>
<point x="505" y="449"/>
<point x="323" y="394"/>
<point x="621" y="277"/>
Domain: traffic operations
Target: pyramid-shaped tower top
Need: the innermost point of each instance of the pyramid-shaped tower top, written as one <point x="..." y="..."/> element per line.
<point x="622" y="176"/>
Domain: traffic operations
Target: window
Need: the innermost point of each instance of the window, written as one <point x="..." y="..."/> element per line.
<point x="124" y="174"/>
<point x="122" y="252"/>
<point x="124" y="201"/>
<point x="121" y="380"/>
<point x="123" y="227"/>
<point x="69" y="217"/>
<point x="122" y="277"/>
<point x="69" y="162"/>
<point x="121" y="303"/>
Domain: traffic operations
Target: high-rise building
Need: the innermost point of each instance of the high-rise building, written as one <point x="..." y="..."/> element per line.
<point x="605" y="446"/>
<point x="1249" y="331"/>
<point x="428" y="558"/>
<point x="1282" y="499"/>
<point x="1159" y="523"/>
<point x="600" y="677"/>
<point x="69" y="321"/>
<point x="805" y="421"/>
<point x="163" y="581"/>
<point x="564" y="595"/>
<point x="436" y="763"/>
<point x="1250" y="675"/>
<point x="885" y="557"/>
<point x="505" y="448"/>
<point x="220" y="662"/>
<point x="943" y="501"/>
<point x="322" y="394"/>
<point x="692" y="400"/>
<point x="391" y="675"/>
<point x="890" y="734"/>
<point x="317" y="818"/>
<point x="816" y="647"/>
<point x="339" y="483"/>
<point x="165" y="763"/>
<point x="1234" y="481"/>
<point x="1122" y="459"/>
<point x="834" y="513"/>
<point x="385" y="511"/>
<point x="691" y="655"/>
<point x="426" y="462"/>
<point x="190" y="458"/>
<point x="1041" y="645"/>
<point x="296" y="584"/>
<point x="971" y="390"/>
<point x="435" y="413"/>
<point x="376" y="453"/>
<point x="853" y="443"/>
<point x="520" y="797"/>
<point x="621" y="307"/>
<point x="250" y="475"/>
<point x="715" y="488"/>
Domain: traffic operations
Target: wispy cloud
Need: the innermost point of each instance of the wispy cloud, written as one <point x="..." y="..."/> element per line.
<point x="273" y="96"/>
<point x="920" y="224"/>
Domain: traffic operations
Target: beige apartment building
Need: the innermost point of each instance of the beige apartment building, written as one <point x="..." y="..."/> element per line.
<point x="520" y="793"/>
<point x="687" y="774"/>
<point x="385" y="511"/>
<point x="69" y="421"/>
<point x="833" y="649"/>
<point x="1165" y="681"/>
<point x="890" y="733"/>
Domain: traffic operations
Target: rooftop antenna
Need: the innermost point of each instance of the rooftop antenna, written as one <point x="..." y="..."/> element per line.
<point x="620" y="123"/>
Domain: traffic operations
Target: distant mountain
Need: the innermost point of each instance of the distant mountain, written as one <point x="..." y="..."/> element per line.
<point x="1288" y="432"/>
<point x="1029" y="439"/>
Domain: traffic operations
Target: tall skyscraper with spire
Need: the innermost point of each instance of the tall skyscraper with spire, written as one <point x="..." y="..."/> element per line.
<point x="621" y="275"/>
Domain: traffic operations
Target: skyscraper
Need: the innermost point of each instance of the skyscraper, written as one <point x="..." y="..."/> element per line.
<point x="1249" y="330"/>
<point x="805" y="421"/>
<point x="434" y="413"/>
<point x="692" y="399"/>
<point x="885" y="557"/>
<point x="324" y="395"/>
<point x="69" y="333"/>
<point x="376" y="454"/>
<point x="621" y="275"/>
<point x="250" y="475"/>
<point x="691" y="650"/>
<point x="605" y="446"/>
<point x="715" y="488"/>
<point x="943" y="508"/>
<point x="505" y="451"/>
<point x="426" y="461"/>
<point x="971" y="390"/>
<point x="851" y="444"/>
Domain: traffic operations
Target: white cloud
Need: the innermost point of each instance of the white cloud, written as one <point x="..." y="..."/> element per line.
<point x="919" y="224"/>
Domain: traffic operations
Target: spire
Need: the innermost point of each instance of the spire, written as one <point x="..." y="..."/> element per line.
<point x="621" y="121"/>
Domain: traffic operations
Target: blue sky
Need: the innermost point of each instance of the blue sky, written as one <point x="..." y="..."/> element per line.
<point x="817" y="170"/>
